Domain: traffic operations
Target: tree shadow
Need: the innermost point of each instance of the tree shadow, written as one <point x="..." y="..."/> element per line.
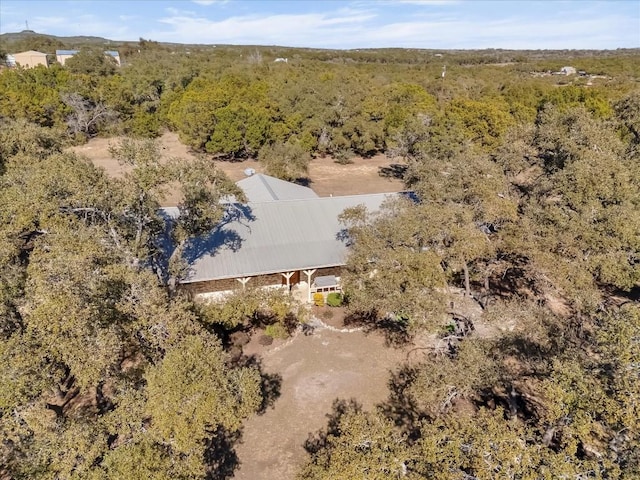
<point x="224" y="235"/>
<point x="318" y="441"/>
<point x="303" y="181"/>
<point x="401" y="407"/>
<point x="220" y="456"/>
<point x="523" y="348"/>
<point x="211" y="243"/>
<point x="395" y="170"/>
<point x="396" y="331"/>
<point x="270" y="383"/>
<point x="618" y="297"/>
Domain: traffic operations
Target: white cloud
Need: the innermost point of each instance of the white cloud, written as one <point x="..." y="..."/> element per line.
<point x="175" y="12"/>
<point x="396" y="3"/>
<point x="282" y="29"/>
<point x="208" y="2"/>
<point x="352" y="28"/>
<point x="509" y="33"/>
<point x="427" y="2"/>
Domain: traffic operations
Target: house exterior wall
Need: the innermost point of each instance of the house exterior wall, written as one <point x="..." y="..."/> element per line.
<point x="230" y="284"/>
<point x="321" y="272"/>
<point x="116" y="58"/>
<point x="30" y="59"/>
<point x="63" y="58"/>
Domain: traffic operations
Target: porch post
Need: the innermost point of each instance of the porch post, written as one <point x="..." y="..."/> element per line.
<point x="288" y="276"/>
<point x="308" y="273"/>
<point x="243" y="281"/>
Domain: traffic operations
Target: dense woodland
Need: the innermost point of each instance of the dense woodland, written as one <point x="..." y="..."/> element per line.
<point x="528" y="201"/>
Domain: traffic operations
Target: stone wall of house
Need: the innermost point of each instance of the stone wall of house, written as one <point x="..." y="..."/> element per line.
<point x="323" y="272"/>
<point x="227" y="284"/>
<point x="212" y="286"/>
<point x="264" y="280"/>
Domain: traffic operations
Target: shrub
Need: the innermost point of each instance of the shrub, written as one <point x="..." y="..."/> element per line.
<point x="327" y="315"/>
<point x="277" y="330"/>
<point x="343" y="157"/>
<point x="334" y="299"/>
<point x="318" y="299"/>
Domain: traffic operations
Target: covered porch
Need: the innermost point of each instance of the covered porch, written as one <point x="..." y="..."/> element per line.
<point x="324" y="284"/>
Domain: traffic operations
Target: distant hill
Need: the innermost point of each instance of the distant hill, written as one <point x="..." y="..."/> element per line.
<point x="30" y="40"/>
<point x="10" y="38"/>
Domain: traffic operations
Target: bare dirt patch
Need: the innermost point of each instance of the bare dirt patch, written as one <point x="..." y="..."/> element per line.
<point x="326" y="177"/>
<point x="315" y="370"/>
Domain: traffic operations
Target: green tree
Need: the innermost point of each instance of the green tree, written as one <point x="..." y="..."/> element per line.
<point x="581" y="220"/>
<point x="286" y="161"/>
<point x="93" y="336"/>
<point x="480" y="122"/>
<point x="358" y="445"/>
<point x="390" y="270"/>
<point x="202" y="186"/>
<point x="34" y="95"/>
<point x="230" y="117"/>
<point x="191" y="392"/>
<point x="628" y="113"/>
<point x="91" y="61"/>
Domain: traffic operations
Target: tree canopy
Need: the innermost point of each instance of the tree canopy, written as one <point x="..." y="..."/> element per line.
<point x="523" y="207"/>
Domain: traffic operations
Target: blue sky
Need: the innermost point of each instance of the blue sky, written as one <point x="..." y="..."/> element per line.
<point x="439" y="24"/>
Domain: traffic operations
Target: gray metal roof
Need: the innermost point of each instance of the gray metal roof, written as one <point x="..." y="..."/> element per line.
<point x="31" y="52"/>
<point x="113" y="53"/>
<point x="325" y="281"/>
<point x="274" y="236"/>
<point x="263" y="188"/>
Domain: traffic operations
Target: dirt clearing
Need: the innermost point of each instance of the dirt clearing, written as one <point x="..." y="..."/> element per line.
<point x="326" y="177"/>
<point x="315" y="370"/>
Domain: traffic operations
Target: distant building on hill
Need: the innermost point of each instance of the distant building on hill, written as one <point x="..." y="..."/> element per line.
<point x="28" y="59"/>
<point x="115" y="55"/>
<point x="63" y="55"/>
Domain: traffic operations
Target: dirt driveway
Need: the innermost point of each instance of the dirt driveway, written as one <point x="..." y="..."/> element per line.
<point x="315" y="370"/>
<point x="327" y="177"/>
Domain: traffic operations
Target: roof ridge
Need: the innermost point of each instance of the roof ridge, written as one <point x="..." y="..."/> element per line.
<point x="268" y="187"/>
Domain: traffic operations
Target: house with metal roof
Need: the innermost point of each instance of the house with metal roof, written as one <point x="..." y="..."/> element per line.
<point x="264" y="188"/>
<point x="63" y="55"/>
<point x="284" y="235"/>
<point x="29" y="59"/>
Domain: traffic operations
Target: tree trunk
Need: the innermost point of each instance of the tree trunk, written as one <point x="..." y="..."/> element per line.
<point x="467" y="288"/>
